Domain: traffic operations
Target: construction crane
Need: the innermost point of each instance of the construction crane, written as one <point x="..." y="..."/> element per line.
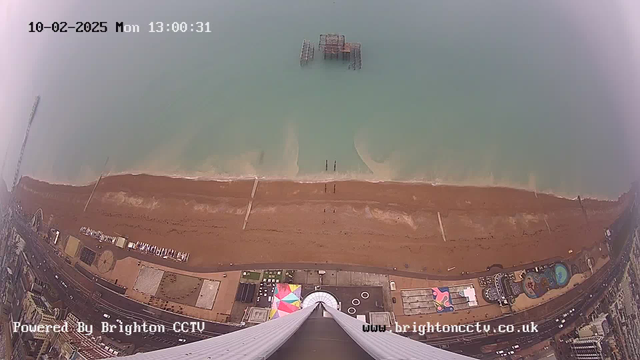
<point x="6" y="220"/>
<point x="16" y="177"/>
<point x="4" y="162"/>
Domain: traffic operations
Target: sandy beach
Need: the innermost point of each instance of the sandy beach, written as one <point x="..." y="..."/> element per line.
<point x="384" y="225"/>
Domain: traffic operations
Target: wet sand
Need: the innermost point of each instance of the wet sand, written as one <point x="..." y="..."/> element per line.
<point x="382" y="225"/>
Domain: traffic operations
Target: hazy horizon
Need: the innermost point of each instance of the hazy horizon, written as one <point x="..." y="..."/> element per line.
<point x="540" y="96"/>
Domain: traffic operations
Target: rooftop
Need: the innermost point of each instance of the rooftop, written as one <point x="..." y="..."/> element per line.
<point x="40" y="304"/>
<point x="335" y="344"/>
<point x="87" y="347"/>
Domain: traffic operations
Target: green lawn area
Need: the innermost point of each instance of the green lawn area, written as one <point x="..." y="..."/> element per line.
<point x="251" y="275"/>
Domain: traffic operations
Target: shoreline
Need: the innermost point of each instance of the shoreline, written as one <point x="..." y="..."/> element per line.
<point x="345" y="178"/>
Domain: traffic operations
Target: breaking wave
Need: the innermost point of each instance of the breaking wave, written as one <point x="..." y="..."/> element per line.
<point x="381" y="170"/>
<point x="284" y="166"/>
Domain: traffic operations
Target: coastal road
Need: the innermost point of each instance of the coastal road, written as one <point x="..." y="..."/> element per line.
<point x="77" y="298"/>
<point x="79" y="290"/>
<point x="76" y="294"/>
<point x="118" y="306"/>
<point x="471" y="345"/>
<point x="580" y="298"/>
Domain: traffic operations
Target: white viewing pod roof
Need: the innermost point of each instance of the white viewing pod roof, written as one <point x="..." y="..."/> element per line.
<point x="320" y="297"/>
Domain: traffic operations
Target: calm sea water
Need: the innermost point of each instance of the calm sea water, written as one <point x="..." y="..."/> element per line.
<point x="527" y="94"/>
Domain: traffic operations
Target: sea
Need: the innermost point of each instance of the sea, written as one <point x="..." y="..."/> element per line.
<point x="540" y="95"/>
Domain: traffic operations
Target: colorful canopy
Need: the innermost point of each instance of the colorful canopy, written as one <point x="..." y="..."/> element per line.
<point x="286" y="299"/>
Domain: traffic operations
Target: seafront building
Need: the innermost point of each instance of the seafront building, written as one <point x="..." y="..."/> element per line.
<point x="74" y="345"/>
<point x="614" y="334"/>
<point x="598" y="327"/>
<point x="36" y="312"/>
<point x="589" y="348"/>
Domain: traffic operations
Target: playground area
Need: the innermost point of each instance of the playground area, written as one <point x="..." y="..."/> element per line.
<point x="177" y="288"/>
<point x="73" y="244"/>
<point x="442" y="299"/>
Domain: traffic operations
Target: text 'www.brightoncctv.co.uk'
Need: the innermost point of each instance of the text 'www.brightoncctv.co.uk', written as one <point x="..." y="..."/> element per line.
<point x="433" y="328"/>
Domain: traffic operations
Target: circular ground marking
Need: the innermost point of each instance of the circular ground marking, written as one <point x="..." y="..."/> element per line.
<point x="364" y="295"/>
<point x="351" y="310"/>
<point x="105" y="261"/>
<point x="178" y="288"/>
<point x="562" y="274"/>
<point x="490" y="294"/>
<point x="355" y="302"/>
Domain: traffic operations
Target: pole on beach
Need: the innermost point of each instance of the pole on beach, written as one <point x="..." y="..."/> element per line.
<point x="584" y="211"/>
<point x="441" y="228"/>
<point x="97" y="182"/>
<point x="334" y="188"/>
